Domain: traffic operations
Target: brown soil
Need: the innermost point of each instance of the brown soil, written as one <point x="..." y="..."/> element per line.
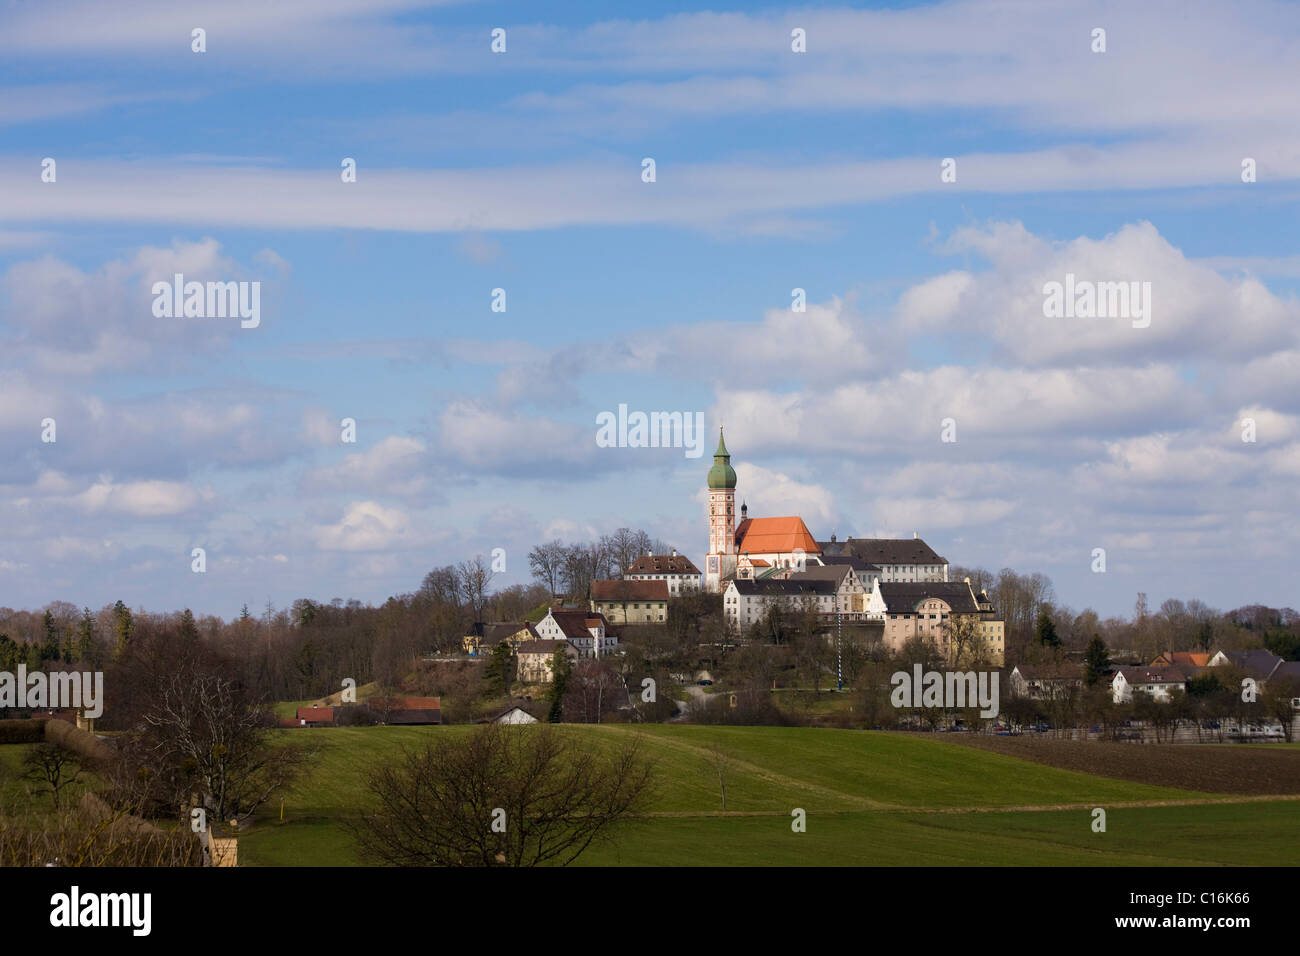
<point x="1231" y="768"/>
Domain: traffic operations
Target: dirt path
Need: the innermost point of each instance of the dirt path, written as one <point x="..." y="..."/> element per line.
<point x="770" y="776"/>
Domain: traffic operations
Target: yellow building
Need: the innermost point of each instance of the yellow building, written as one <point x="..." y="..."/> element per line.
<point x="482" y="638"/>
<point x="949" y="615"/>
<point x="631" y="602"/>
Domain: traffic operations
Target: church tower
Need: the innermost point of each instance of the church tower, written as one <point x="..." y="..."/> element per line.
<point x="720" y="563"/>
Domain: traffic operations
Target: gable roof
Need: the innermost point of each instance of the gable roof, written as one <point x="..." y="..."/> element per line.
<point x="618" y="590"/>
<point x="775" y="535"/>
<point x="904" y="596"/>
<point x="1173" y="674"/>
<point x="510" y="710"/>
<point x="880" y="551"/>
<point x="1256" y="662"/>
<point x="857" y="564"/>
<point x="574" y="623"/>
<point x="788" y="587"/>
<point x="1287" y="669"/>
<point x="1066" y="671"/>
<point x="662" y="564"/>
<point x="316" y="714"/>
<point x="1183" y="658"/>
<point x="495" y="633"/>
<point x="819" y="572"/>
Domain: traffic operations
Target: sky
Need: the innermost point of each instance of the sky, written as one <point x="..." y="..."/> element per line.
<point x="1170" y="441"/>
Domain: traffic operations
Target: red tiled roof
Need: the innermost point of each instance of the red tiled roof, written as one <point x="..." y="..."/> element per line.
<point x="629" y="590"/>
<point x="1193" y="658"/>
<point x="775" y="535"/>
<point x="316" y="714"/>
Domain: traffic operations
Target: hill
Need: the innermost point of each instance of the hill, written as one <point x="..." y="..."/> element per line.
<point x="870" y="799"/>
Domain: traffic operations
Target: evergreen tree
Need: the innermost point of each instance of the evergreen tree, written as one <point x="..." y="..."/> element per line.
<point x="10" y="653"/>
<point x="560" y="670"/>
<point x="51" y="647"/>
<point x="122" y="628"/>
<point x="1047" y="631"/>
<point x="85" y="648"/>
<point x="189" y="630"/>
<point x="1095" y="661"/>
<point x="500" y="669"/>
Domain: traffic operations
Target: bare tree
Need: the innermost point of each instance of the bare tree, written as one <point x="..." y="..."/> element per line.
<point x="512" y="796"/>
<point x="475" y="576"/>
<point x="547" y="563"/>
<point x="964" y="640"/>
<point x="52" y="768"/>
<point x="625" y="546"/>
<point x="206" y="735"/>
<point x="1276" y="698"/>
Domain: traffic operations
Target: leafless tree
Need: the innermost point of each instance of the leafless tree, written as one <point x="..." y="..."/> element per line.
<point x="475" y="576"/>
<point x="547" y="563"/>
<point x="500" y="796"/>
<point x="204" y="732"/>
<point x="625" y="546"/>
<point x="52" y="769"/>
<point x="1277" y="697"/>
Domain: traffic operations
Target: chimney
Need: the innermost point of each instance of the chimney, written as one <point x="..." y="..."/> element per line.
<point x="674" y="552"/>
<point x="915" y="536"/>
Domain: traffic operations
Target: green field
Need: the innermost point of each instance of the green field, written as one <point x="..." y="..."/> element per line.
<point x="870" y="799"/>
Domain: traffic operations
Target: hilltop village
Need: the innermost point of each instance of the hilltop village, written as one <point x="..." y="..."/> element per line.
<point x="881" y="591"/>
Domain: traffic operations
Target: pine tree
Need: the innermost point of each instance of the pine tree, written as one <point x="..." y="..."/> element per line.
<point x="1047" y="631"/>
<point x="1096" y="659"/>
<point x="52" y="645"/>
<point x="84" y="649"/>
<point x="189" y="630"/>
<point x="122" y="628"/>
<point x="560" y="670"/>
<point x="499" y="668"/>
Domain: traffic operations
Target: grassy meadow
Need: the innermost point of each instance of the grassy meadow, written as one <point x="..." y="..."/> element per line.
<point x="870" y="799"/>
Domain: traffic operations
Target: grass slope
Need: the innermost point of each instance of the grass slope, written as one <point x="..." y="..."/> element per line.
<point x="870" y="799"/>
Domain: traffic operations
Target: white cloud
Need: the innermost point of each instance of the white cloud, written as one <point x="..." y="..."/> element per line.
<point x="366" y="526"/>
<point x="145" y="499"/>
<point x="395" y="465"/>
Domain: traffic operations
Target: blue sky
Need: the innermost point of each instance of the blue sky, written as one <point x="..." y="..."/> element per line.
<point x="775" y="170"/>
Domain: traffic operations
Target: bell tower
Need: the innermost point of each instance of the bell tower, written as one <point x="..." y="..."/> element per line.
<point x="720" y="563"/>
